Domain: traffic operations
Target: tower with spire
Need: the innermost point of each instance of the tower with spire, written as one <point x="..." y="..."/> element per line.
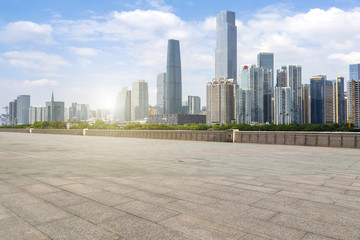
<point x="54" y="110"/>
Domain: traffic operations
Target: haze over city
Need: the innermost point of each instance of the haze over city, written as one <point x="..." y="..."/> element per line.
<point x="88" y="50"/>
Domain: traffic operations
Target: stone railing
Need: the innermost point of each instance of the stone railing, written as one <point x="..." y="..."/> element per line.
<point x="320" y="139"/>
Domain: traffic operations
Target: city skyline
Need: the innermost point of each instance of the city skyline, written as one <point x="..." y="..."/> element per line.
<point x="74" y="55"/>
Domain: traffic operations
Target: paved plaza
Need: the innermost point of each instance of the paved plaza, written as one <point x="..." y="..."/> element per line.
<point x="75" y="187"/>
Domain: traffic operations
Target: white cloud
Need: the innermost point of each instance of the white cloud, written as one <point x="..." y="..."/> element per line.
<point x="26" y="31"/>
<point x="353" y="57"/>
<point x="34" y="60"/>
<point x="40" y="83"/>
<point x="88" y="52"/>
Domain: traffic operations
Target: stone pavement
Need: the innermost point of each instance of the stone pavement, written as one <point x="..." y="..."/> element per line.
<point x="74" y="187"/>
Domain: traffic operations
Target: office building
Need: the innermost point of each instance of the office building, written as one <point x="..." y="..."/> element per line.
<point x="54" y="110"/>
<point x="184" y="107"/>
<point x="173" y="87"/>
<point x="139" y="100"/>
<point x="160" y="94"/>
<point x="226" y="46"/>
<point x="12" y="112"/>
<point x="122" y="111"/>
<point x="317" y="96"/>
<point x="266" y="62"/>
<point x="243" y="106"/>
<point x="22" y="109"/>
<point x="353" y="95"/>
<point x="306" y="104"/>
<point x="194" y="103"/>
<point x="220" y="101"/>
<point x="339" y="106"/>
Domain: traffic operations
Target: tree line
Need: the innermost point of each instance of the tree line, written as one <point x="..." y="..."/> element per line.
<point x="100" y="124"/>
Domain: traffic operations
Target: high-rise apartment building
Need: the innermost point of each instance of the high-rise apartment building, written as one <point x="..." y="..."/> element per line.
<point x="22" y="109"/>
<point x="139" y="100"/>
<point x="160" y="95"/>
<point x="220" y="101"/>
<point x="173" y="85"/>
<point x="282" y="105"/>
<point x="306" y="104"/>
<point x="226" y="46"/>
<point x="36" y="114"/>
<point x="194" y="103"/>
<point x="291" y="76"/>
<point x="122" y="111"/>
<point x="79" y="112"/>
<point x="353" y="95"/>
<point x="54" y="110"/>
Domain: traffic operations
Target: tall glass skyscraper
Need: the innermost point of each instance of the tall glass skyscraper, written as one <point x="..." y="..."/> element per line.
<point x="226" y="39"/>
<point x="22" y="109"/>
<point x="354" y="94"/>
<point x="173" y="90"/>
<point x="354" y="72"/>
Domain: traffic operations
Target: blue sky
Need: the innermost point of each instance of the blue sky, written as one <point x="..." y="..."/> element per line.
<point x="87" y="50"/>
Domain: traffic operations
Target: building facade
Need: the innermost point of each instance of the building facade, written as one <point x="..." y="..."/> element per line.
<point x="54" y="110"/>
<point x="306" y="104"/>
<point x="160" y="94"/>
<point x="22" y="109"/>
<point x="194" y="103"/>
<point x="353" y="95"/>
<point x="282" y="105"/>
<point x="226" y="46"/>
<point x="266" y="62"/>
<point x="139" y="100"/>
<point x="339" y="105"/>
<point x="317" y="95"/>
<point x="122" y="111"/>
<point x="220" y="101"/>
<point x="173" y="82"/>
<point x="12" y="112"/>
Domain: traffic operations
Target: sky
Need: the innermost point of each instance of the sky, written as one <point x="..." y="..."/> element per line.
<point x="87" y="50"/>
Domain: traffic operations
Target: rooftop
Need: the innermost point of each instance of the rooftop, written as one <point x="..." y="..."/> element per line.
<point x="75" y="187"/>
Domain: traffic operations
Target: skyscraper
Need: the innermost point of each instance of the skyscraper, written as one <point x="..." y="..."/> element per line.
<point x="226" y="46"/>
<point x="12" y="112"/>
<point x="282" y="105"/>
<point x="353" y="94"/>
<point x="139" y="100"/>
<point x="194" y="103"/>
<point x="160" y="95"/>
<point x="294" y="81"/>
<point x="256" y="78"/>
<point x="220" y="101"/>
<point x="173" y="91"/>
<point x="54" y="110"/>
<point x="123" y="105"/>
<point x="321" y="94"/>
<point x="22" y="109"/>
<point x="339" y="100"/>
<point x="266" y="62"/>
<point x="306" y="104"/>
